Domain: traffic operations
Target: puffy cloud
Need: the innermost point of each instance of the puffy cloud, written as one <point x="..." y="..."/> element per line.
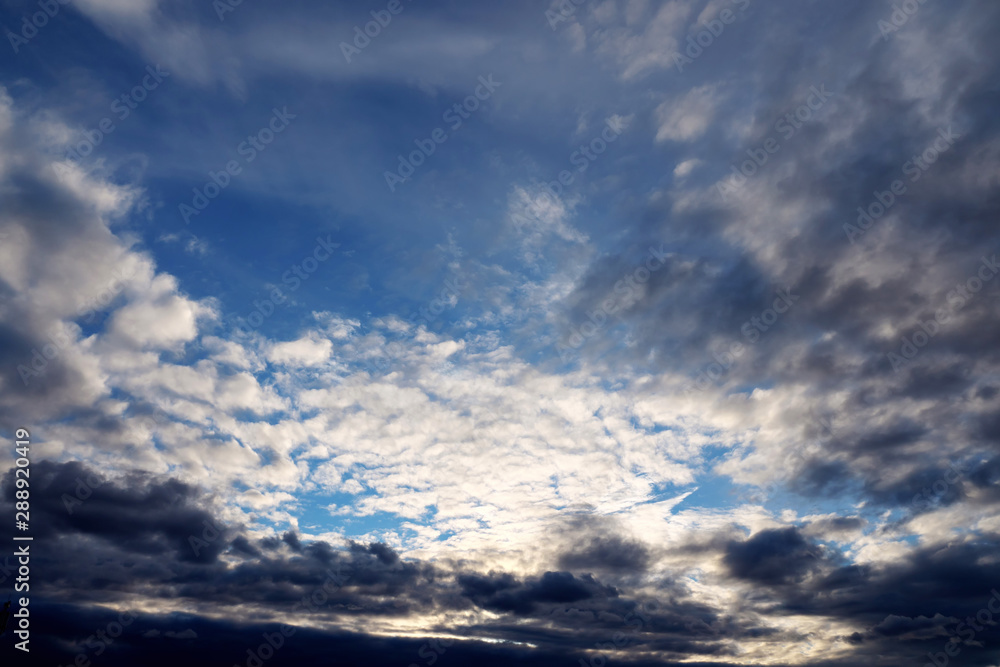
<point x="310" y="351"/>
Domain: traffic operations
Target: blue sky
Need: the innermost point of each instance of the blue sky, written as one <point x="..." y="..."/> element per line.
<point x="528" y="312"/>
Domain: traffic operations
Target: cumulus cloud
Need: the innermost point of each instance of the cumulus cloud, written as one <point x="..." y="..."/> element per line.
<point x="301" y="352"/>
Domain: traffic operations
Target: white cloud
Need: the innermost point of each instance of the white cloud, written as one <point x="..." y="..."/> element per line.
<point x="306" y="351"/>
<point x="539" y="218"/>
<point x="640" y="47"/>
<point x="161" y="319"/>
<point x="686" y="167"/>
<point x="688" y="118"/>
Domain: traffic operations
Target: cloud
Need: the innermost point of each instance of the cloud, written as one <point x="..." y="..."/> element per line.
<point x="686" y="167"/>
<point x="301" y="352"/>
<point x="689" y="117"/>
<point x="646" y="45"/>
<point x="504" y="593"/>
<point x="161" y="320"/>
<point x="800" y="497"/>
<point x="772" y="557"/>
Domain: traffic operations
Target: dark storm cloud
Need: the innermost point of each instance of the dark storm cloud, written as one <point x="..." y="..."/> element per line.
<point x="940" y="593"/>
<point x="292" y="540"/>
<point x="835" y="529"/>
<point x="607" y="553"/>
<point x="384" y="554"/>
<point x="899" y="435"/>
<point x="903" y="609"/>
<point x="840" y="523"/>
<point x="823" y="478"/>
<point x="986" y="478"/>
<point x="600" y="544"/>
<point x="692" y="293"/>
<point x="23" y="346"/>
<point x="856" y="144"/>
<point x="137" y="514"/>
<point x="96" y="535"/>
<point x="773" y="557"/>
<point x="170" y="640"/>
<point x="157" y="537"/>
<point x="906" y="607"/>
<point x="505" y="593"/>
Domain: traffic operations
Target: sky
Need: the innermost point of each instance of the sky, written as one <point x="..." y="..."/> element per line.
<point x="436" y="333"/>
